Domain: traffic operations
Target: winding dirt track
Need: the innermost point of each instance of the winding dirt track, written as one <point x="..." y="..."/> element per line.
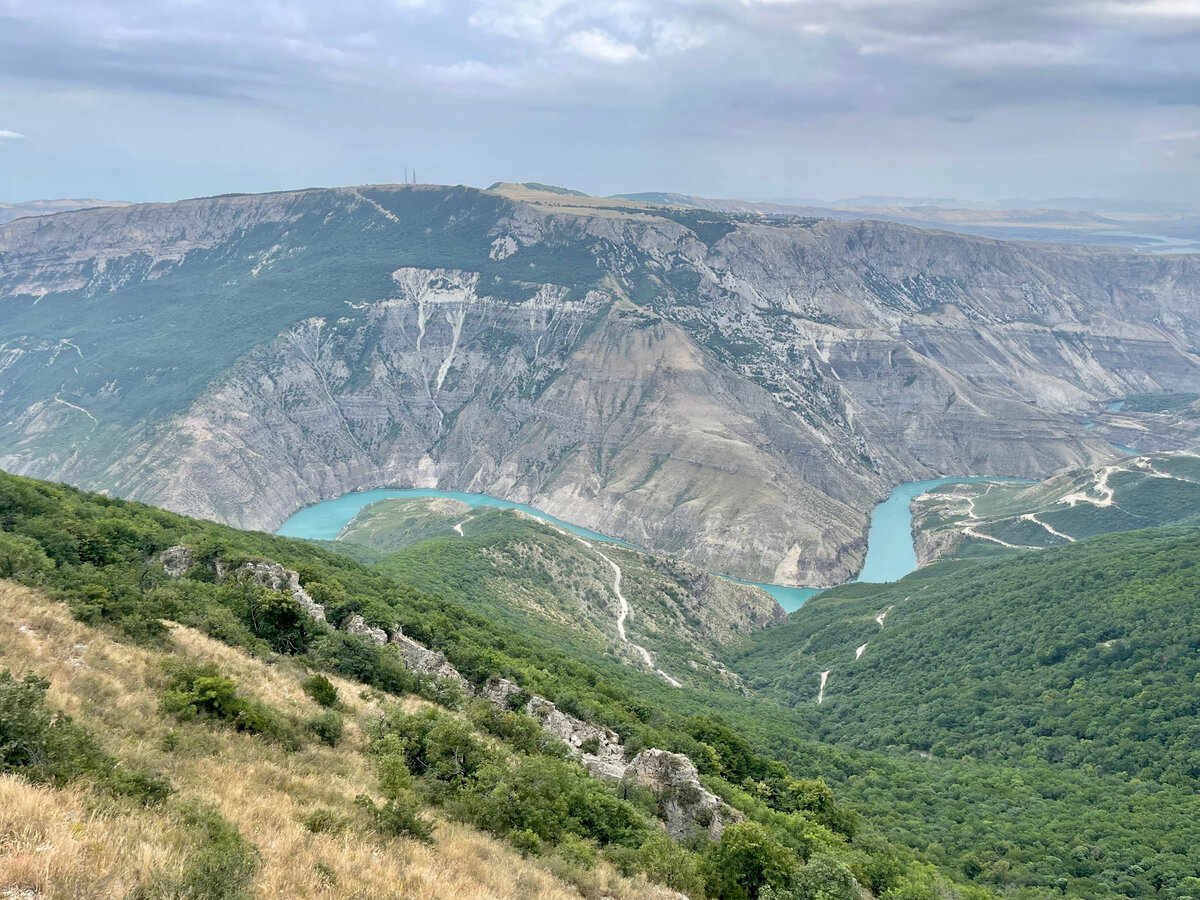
<point x="623" y="604"/>
<point x="624" y="614"/>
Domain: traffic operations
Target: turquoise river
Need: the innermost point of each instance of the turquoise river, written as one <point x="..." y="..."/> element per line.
<point x="890" y="551"/>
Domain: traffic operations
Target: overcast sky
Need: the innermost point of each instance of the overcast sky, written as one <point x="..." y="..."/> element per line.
<point x="980" y="99"/>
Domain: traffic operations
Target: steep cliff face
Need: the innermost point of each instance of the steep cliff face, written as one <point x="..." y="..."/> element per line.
<point x="737" y="393"/>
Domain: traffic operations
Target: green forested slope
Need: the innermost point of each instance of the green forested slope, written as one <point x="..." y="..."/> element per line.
<point x="1085" y="656"/>
<point x="1025" y="814"/>
<point x="494" y="770"/>
<point x="1051" y="700"/>
<point x="537" y="578"/>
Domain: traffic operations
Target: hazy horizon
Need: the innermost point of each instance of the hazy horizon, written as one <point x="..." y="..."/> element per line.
<point x="1014" y="204"/>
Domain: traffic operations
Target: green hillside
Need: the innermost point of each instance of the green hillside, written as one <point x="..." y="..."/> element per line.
<point x="967" y="520"/>
<point x="965" y="766"/>
<point x="491" y="770"/>
<point x="1067" y="675"/>
<point x="539" y="579"/>
<point x="1084" y="657"/>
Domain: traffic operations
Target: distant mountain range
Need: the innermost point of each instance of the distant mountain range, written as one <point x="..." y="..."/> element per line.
<point x="11" y="211"/>
<point x="1151" y="227"/>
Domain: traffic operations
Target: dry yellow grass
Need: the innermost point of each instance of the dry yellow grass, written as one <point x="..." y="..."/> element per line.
<point x="67" y="844"/>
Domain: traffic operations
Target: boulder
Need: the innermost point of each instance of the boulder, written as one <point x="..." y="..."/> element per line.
<point x="274" y="576"/>
<point x="177" y="560"/>
<point x="684" y="804"/>
<point x="597" y="748"/>
<point x="498" y="690"/>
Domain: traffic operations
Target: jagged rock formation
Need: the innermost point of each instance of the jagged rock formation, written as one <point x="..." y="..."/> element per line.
<point x="273" y="575"/>
<point x="737" y="393"/>
<point x="356" y="625"/>
<point x="598" y="749"/>
<point x="177" y="560"/>
<point x="684" y="804"/>
<point x="498" y="690"/>
<point x="424" y="661"/>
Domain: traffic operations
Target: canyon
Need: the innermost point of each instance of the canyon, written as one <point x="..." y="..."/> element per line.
<point x="735" y="390"/>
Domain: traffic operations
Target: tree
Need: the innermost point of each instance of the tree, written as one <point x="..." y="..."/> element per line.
<point x="21" y="558"/>
<point x="746" y="860"/>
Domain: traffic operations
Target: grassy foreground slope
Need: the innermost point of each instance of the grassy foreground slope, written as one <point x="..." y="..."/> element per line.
<point x="247" y="816"/>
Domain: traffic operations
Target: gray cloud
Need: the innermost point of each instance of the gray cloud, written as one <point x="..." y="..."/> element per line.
<point x="699" y="80"/>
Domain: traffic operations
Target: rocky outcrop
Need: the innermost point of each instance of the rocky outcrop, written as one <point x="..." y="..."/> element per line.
<point x="597" y="748"/>
<point x="274" y="576"/>
<point x="424" y="661"/>
<point x="357" y="626"/>
<point x="498" y="690"/>
<point x="739" y="395"/>
<point x="684" y="804"/>
<point x="177" y="560"/>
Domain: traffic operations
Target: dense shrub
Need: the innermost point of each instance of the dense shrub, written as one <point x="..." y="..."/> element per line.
<point x="320" y="689"/>
<point x="745" y="861"/>
<point x="399" y="814"/>
<point x="198" y="690"/>
<point x="48" y="747"/>
<point x="23" y="559"/>
<point x="36" y="742"/>
<point x="323" y="821"/>
<point x="553" y="799"/>
<point x="327" y="727"/>
<point x="663" y="861"/>
<point x="221" y="867"/>
<point x="397" y="817"/>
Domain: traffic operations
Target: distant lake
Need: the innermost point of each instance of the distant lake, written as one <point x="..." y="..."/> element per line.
<point x="890" y="551"/>
<point x="1154" y="243"/>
